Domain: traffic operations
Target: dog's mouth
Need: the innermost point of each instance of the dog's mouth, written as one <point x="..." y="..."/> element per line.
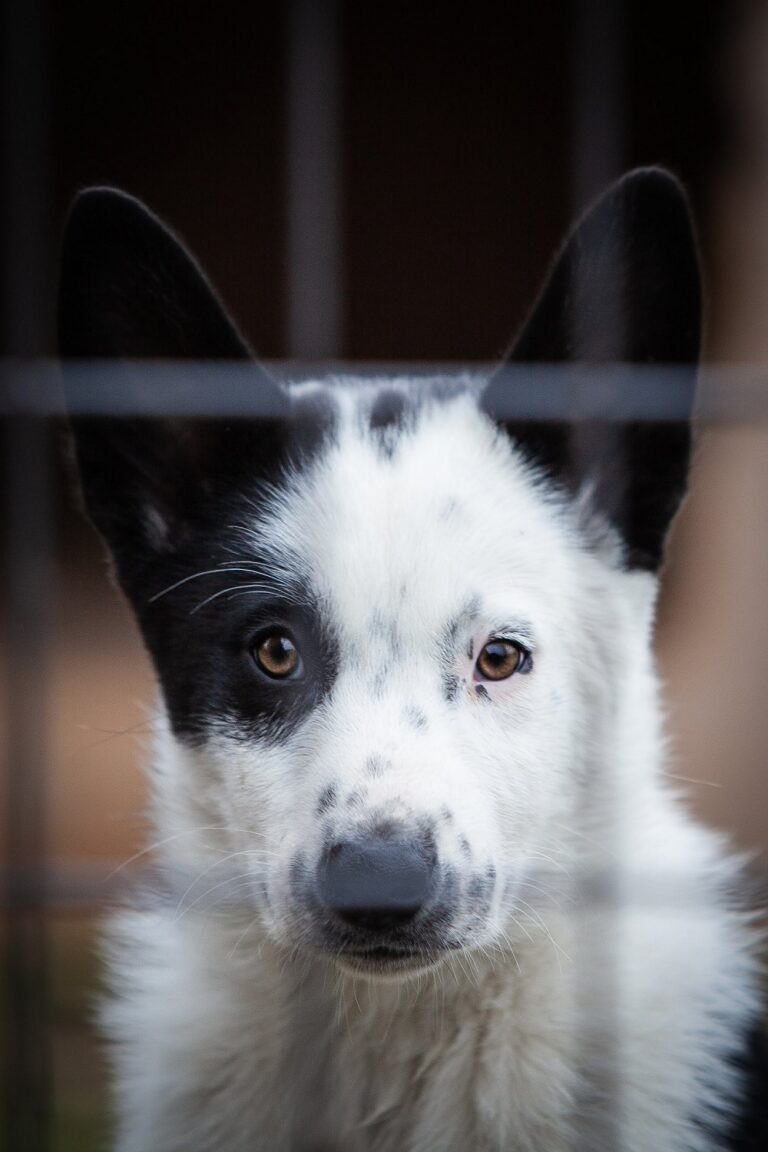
<point x="383" y="960"/>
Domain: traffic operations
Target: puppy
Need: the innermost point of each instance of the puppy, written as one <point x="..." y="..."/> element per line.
<point x="422" y="885"/>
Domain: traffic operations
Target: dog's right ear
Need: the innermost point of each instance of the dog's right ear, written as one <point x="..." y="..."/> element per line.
<point x="129" y="292"/>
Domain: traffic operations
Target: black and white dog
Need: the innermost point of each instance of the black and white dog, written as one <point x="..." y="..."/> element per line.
<point x="424" y="887"/>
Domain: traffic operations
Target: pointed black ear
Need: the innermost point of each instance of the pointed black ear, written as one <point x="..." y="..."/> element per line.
<point x="624" y="287"/>
<point x="129" y="288"/>
<point x="129" y="292"/>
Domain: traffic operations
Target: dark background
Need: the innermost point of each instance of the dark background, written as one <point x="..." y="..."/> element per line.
<point x="400" y="201"/>
<point x="457" y="130"/>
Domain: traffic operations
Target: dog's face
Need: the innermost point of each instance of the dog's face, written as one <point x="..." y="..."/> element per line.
<point x="393" y="633"/>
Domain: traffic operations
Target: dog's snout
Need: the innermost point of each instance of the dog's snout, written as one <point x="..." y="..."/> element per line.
<point x="376" y="885"/>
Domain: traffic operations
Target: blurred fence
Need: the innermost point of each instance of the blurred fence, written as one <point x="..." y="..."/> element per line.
<point x="72" y="834"/>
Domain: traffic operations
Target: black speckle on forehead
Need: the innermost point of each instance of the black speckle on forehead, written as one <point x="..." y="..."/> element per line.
<point x="392" y="414"/>
<point x="389" y="409"/>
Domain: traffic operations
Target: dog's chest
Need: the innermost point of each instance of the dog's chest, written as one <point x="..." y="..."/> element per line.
<point x="381" y="1069"/>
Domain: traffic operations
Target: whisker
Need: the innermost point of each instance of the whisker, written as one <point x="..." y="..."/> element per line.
<point x="177" y="836"/>
<point x="197" y="575"/>
<point x="205" y="872"/>
<point x="233" y="588"/>
<point x="246" y="876"/>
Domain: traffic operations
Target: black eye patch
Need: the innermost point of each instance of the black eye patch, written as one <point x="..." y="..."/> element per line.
<point x="201" y="634"/>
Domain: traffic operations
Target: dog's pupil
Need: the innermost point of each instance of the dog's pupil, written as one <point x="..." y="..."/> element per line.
<point x="277" y="655"/>
<point x="498" y="659"/>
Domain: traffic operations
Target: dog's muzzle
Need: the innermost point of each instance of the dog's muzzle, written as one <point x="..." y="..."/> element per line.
<point x="378" y="898"/>
<point x="376" y="887"/>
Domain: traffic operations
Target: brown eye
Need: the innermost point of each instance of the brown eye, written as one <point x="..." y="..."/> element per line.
<point x="499" y="659"/>
<point x="277" y="656"/>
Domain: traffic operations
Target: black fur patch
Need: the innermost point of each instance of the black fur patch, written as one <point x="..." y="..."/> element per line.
<point x="414" y="716"/>
<point x="444" y="910"/>
<point x="165" y="493"/>
<point x="201" y="635"/>
<point x="451" y="684"/>
<point x="377" y="765"/>
<point x="357" y="798"/>
<point x="327" y="799"/>
<point x="480" y="890"/>
<point x="454" y="636"/>
<point x="389" y="410"/>
<point x="387" y="630"/>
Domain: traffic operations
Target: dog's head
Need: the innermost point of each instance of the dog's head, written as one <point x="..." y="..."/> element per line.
<point x="397" y="632"/>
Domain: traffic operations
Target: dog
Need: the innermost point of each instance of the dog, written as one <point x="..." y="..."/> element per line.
<point x="422" y="884"/>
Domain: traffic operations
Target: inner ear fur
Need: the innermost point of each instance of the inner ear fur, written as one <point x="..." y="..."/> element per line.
<point x="624" y="287"/>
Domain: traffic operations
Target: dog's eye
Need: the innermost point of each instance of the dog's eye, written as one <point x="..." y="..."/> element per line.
<point x="499" y="659"/>
<point x="277" y="656"/>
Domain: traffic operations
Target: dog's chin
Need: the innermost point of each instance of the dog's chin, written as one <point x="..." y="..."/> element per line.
<point x="386" y="963"/>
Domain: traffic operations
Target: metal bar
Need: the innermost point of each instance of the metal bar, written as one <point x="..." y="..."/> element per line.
<point x="27" y="289"/>
<point x="610" y="393"/>
<point x="28" y="572"/>
<point x="597" y="159"/>
<point x="315" y="320"/>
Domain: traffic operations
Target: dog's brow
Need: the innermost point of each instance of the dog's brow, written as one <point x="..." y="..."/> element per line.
<point x="515" y="629"/>
<point x="458" y="624"/>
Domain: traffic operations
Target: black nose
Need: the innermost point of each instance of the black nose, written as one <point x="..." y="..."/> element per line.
<point x="378" y="885"/>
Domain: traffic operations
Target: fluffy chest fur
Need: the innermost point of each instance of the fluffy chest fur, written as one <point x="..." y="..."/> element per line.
<point x="421" y="883"/>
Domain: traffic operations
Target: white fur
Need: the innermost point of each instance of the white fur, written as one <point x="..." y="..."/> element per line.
<point x="597" y="1004"/>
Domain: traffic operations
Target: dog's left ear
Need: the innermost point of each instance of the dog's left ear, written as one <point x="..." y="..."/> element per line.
<point x="624" y="287"/>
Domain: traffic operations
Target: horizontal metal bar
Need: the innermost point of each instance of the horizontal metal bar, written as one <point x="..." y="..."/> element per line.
<point x="218" y="888"/>
<point x="613" y="392"/>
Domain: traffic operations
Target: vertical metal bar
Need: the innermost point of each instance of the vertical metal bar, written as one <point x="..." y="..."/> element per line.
<point x="28" y="575"/>
<point x="315" y="288"/>
<point x="599" y="97"/>
<point x="26" y="331"/>
<point x="26" y="257"/>
<point x="598" y="157"/>
<point x="315" y="332"/>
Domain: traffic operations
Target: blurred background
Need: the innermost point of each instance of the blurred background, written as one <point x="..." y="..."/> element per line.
<point x="362" y="181"/>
